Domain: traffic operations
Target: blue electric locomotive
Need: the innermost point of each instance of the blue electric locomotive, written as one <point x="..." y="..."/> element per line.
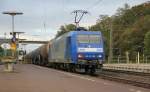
<point x="77" y="50"/>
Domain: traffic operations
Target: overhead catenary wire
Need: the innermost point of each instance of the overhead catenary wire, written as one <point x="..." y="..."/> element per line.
<point x="43" y="17"/>
<point x="93" y="5"/>
<point x="83" y="12"/>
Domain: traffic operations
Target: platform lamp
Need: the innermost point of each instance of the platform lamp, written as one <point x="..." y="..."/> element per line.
<point x="12" y="13"/>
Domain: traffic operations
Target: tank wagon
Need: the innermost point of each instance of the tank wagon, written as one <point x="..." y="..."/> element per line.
<point x="75" y="50"/>
<point x="39" y="56"/>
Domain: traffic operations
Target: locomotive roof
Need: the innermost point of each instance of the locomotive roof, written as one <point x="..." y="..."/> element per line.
<point x="84" y="32"/>
<point x="71" y="33"/>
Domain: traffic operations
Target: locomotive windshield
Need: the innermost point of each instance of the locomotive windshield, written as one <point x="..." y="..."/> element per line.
<point x="88" y="38"/>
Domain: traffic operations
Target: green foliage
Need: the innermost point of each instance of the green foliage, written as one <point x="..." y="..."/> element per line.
<point x="129" y="27"/>
<point x="103" y="25"/>
<point x="147" y="43"/>
<point x="66" y="28"/>
<point x="1" y="51"/>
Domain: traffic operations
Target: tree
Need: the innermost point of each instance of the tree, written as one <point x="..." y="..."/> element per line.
<point x="64" y="29"/>
<point x="121" y="11"/>
<point x="147" y="43"/>
<point x="1" y="51"/>
<point x="129" y="27"/>
<point x="103" y="25"/>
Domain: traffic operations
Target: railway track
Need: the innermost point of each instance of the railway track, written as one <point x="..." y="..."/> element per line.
<point x="132" y="78"/>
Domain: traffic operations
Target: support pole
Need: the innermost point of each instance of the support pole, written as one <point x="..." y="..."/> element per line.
<point x="146" y="59"/>
<point x="138" y="58"/>
<point x="8" y="64"/>
<point x="127" y="57"/>
<point x="143" y="58"/>
<point x="9" y="61"/>
<point x="110" y="43"/>
<point x="9" y="67"/>
<point x="118" y="59"/>
<point x="12" y="24"/>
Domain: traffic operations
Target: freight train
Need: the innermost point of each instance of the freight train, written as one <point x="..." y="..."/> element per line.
<point x="73" y="51"/>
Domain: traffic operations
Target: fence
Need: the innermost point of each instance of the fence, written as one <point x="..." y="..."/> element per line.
<point x="133" y="60"/>
<point x="145" y="68"/>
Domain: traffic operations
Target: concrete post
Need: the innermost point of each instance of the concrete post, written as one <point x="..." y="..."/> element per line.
<point x="8" y="67"/>
<point x="127" y="57"/>
<point x="138" y="58"/>
<point x="118" y="59"/>
<point x="143" y="58"/>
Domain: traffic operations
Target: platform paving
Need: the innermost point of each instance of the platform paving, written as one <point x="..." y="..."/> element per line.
<point x="32" y="78"/>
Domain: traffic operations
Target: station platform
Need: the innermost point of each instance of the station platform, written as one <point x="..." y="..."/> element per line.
<point x="32" y="78"/>
<point x="145" y="68"/>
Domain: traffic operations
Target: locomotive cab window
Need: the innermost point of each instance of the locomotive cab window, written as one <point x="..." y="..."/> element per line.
<point x="88" y="39"/>
<point x="94" y="38"/>
<point x="83" y="39"/>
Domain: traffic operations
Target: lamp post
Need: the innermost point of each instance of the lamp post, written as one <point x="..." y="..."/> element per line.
<point x="12" y="13"/>
<point x="110" y="59"/>
<point x="9" y="63"/>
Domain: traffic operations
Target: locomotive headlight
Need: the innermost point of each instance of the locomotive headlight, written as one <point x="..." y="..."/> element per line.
<point x="99" y="56"/>
<point x="80" y="56"/>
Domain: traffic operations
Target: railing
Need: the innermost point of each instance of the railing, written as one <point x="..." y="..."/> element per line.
<point x="133" y="60"/>
<point x="145" y="68"/>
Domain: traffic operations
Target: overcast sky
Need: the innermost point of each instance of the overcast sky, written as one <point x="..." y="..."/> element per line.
<point x="53" y="14"/>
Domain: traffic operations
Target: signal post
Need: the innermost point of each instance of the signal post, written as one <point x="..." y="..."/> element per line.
<point x="10" y="60"/>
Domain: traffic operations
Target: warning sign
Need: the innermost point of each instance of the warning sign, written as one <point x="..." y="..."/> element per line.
<point x="13" y="46"/>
